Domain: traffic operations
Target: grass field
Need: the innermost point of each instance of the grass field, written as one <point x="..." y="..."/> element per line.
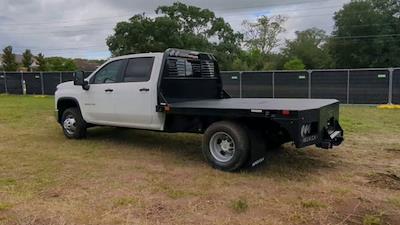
<point x="119" y="176"/>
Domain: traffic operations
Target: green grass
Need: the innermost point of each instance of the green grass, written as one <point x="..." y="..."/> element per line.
<point x="119" y="176"/>
<point x="395" y="201"/>
<point x="239" y="205"/>
<point x="367" y="119"/>
<point x="126" y="201"/>
<point x="372" y="220"/>
<point x="4" y="206"/>
<point x="312" y="204"/>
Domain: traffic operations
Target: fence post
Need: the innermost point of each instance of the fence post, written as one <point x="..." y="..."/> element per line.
<point x="240" y="84"/>
<point x="309" y="82"/>
<point x="60" y="78"/>
<point x="41" y="82"/>
<point x="390" y="86"/>
<point x="348" y="87"/>
<point x="23" y="84"/>
<point x="273" y="84"/>
<point x="5" y="82"/>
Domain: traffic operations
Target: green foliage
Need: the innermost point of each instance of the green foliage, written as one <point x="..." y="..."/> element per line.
<point x="27" y="59"/>
<point x="364" y="22"/>
<point x="60" y="64"/>
<point x="42" y="63"/>
<point x="294" y="64"/>
<point x="255" y="60"/>
<point x="263" y="34"/>
<point x="8" y="59"/>
<point x="310" y="47"/>
<point x="177" y="26"/>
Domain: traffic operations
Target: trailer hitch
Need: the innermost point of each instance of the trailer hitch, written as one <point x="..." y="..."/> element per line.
<point x="332" y="136"/>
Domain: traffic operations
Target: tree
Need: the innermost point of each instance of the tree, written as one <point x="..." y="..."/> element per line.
<point x="42" y="63"/>
<point x="27" y="59"/>
<point x="9" y="62"/>
<point x="294" y="64"/>
<point x="255" y="60"/>
<point x="263" y="34"/>
<point x="177" y="26"/>
<point x="310" y="47"/>
<point x="60" y="64"/>
<point x="366" y="34"/>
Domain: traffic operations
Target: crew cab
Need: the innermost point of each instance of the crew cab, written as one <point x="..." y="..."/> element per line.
<point x="182" y="91"/>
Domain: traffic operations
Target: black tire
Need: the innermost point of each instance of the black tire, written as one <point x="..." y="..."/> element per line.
<point x="79" y="124"/>
<point x="241" y="141"/>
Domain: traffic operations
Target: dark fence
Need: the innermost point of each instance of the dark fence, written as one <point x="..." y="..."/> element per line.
<point x="33" y="83"/>
<point x="358" y="86"/>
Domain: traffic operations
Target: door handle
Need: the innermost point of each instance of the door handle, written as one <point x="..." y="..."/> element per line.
<point x="109" y="90"/>
<point x="144" y="89"/>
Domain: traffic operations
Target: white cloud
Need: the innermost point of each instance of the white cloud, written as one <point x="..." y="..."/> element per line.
<point x="77" y="28"/>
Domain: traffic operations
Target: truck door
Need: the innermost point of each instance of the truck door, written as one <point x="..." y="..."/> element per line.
<point x="99" y="99"/>
<point x="135" y="97"/>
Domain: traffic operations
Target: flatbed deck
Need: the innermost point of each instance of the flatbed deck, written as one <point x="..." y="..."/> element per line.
<point x="254" y="104"/>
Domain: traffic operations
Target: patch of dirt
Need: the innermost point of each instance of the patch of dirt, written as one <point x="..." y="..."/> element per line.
<point x="354" y="211"/>
<point x="387" y="180"/>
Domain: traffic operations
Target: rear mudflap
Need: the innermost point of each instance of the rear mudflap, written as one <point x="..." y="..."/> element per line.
<point x="257" y="150"/>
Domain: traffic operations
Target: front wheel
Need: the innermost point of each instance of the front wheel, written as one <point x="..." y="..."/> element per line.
<point x="72" y="123"/>
<point x="226" y="145"/>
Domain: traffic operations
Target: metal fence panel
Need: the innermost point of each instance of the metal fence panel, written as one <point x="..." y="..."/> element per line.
<point x="257" y="85"/>
<point x="369" y="87"/>
<point x="33" y="83"/>
<point x="396" y="87"/>
<point x="231" y="83"/>
<point x="329" y="85"/>
<point x="291" y="84"/>
<point x="50" y="82"/>
<point x="67" y="76"/>
<point x="14" y="83"/>
<point x="2" y="83"/>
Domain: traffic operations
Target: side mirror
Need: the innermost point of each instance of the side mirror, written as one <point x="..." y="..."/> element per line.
<point x="79" y="80"/>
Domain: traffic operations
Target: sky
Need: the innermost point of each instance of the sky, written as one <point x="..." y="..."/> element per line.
<point x="78" y="28"/>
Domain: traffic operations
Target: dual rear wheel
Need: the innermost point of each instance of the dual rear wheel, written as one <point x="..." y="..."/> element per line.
<point x="228" y="145"/>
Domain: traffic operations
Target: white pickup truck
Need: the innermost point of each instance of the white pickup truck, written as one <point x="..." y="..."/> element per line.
<point x="181" y="91"/>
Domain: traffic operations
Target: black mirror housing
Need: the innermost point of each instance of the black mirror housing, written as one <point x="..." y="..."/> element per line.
<point x="79" y="80"/>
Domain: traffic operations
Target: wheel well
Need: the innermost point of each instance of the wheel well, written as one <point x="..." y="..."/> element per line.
<point x="64" y="104"/>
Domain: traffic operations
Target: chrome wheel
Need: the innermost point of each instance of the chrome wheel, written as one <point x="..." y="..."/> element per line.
<point x="70" y="125"/>
<point x="222" y="147"/>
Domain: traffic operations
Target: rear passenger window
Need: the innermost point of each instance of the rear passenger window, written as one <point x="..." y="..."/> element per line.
<point x="138" y="70"/>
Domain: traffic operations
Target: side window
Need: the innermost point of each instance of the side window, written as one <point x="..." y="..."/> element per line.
<point x="111" y="73"/>
<point x="138" y="70"/>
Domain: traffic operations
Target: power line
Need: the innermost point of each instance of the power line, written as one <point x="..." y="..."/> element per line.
<point x="366" y="36"/>
<point x="154" y="14"/>
<point x="58" y="49"/>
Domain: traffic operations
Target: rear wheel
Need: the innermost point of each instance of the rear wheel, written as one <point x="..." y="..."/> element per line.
<point x="73" y="125"/>
<point x="226" y="145"/>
